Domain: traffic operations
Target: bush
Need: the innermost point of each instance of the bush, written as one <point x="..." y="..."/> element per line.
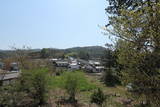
<point x="11" y="96"/>
<point x="75" y="82"/>
<point x="36" y="83"/>
<point x="71" y="86"/>
<point x="110" y="78"/>
<point x="98" y="97"/>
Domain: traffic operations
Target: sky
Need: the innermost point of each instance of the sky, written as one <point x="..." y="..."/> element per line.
<point x="52" y="23"/>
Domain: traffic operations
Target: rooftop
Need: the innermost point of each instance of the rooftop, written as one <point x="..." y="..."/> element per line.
<point x="9" y="76"/>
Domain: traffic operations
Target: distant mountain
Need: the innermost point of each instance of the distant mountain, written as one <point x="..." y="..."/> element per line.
<point x="2" y="50"/>
<point x="87" y="48"/>
<point x="91" y="51"/>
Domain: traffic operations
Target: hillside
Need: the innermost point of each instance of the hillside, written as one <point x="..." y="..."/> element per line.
<point x="91" y="51"/>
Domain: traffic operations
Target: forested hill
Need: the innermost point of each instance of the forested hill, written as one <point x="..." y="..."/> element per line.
<point x="93" y="51"/>
<point x="81" y="52"/>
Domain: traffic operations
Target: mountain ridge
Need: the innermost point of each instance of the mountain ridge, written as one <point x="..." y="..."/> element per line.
<point x="92" y="51"/>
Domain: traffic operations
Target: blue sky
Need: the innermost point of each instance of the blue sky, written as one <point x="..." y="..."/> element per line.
<point x="52" y="23"/>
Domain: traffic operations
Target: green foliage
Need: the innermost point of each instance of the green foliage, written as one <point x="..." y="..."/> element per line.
<point x="11" y="96"/>
<point x="109" y="58"/>
<point x="36" y="80"/>
<point x="98" y="97"/>
<point x="30" y="89"/>
<point x="83" y="55"/>
<point x="39" y="82"/>
<point x="44" y="53"/>
<point x="91" y="52"/>
<point x="110" y="78"/>
<point x="116" y="5"/>
<point x="82" y="83"/>
<point x="72" y="82"/>
<point x="139" y="53"/>
<point x="111" y="75"/>
<point x="72" y="54"/>
<point x="71" y="86"/>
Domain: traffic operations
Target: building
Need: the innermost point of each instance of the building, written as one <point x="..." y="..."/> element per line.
<point x="7" y="78"/>
<point x="100" y="68"/>
<point x="14" y="67"/>
<point x="62" y="63"/>
<point x="54" y="59"/>
<point x="94" y="63"/>
<point x="1" y="65"/>
<point x="89" y="68"/>
<point x="74" y="66"/>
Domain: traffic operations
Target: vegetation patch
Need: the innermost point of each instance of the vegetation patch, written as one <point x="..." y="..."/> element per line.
<point x="82" y="82"/>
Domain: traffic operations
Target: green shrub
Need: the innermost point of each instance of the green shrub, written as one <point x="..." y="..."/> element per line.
<point x="83" y="83"/>
<point x="71" y="86"/>
<point x="110" y="78"/>
<point x="98" y="97"/>
<point x="40" y="82"/>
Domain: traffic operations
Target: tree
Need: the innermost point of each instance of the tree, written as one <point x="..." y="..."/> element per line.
<point x="98" y="97"/>
<point x="115" y="6"/>
<point x="110" y="77"/>
<point x="35" y="82"/>
<point x="71" y="86"/>
<point x="44" y="53"/>
<point x="71" y="54"/>
<point x="139" y="53"/>
<point x="109" y="59"/>
<point x="83" y="55"/>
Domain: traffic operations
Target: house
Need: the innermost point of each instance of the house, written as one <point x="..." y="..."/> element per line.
<point x="7" y="77"/>
<point x="100" y="68"/>
<point x="14" y="67"/>
<point x="97" y="65"/>
<point x="62" y="63"/>
<point x="89" y="68"/>
<point x="74" y="65"/>
<point x="1" y="65"/>
<point x="83" y="62"/>
<point x="94" y="63"/>
<point x="53" y="59"/>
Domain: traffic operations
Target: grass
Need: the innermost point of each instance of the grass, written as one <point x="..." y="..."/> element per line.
<point x="116" y="93"/>
<point x="87" y="84"/>
<point x="83" y="83"/>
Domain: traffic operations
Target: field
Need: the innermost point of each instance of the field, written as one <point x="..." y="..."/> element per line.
<point x="88" y="83"/>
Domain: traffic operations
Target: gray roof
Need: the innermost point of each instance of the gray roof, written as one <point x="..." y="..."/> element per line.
<point x="63" y="62"/>
<point x="83" y="61"/>
<point x="9" y="76"/>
